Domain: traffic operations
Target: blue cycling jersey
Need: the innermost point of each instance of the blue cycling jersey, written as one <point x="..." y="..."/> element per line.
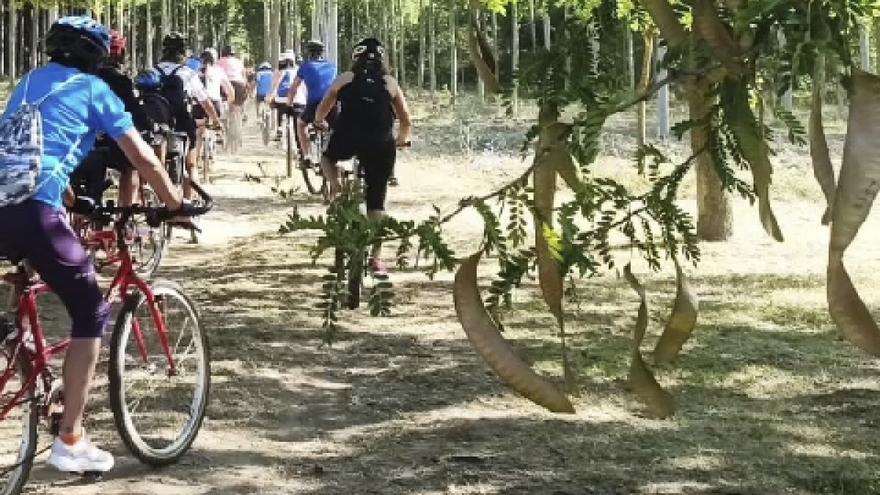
<point x="318" y="76"/>
<point x="264" y="82"/>
<point x="286" y="82"/>
<point x="72" y="117"/>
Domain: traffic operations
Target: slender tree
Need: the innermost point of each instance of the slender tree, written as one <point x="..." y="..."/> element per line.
<point x="453" y="51"/>
<point x="514" y="56"/>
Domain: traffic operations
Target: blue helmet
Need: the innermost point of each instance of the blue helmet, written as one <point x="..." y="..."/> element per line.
<point x="148" y="80"/>
<point x="80" y="37"/>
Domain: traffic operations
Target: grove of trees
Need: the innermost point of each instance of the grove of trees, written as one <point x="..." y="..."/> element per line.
<point x="732" y="66"/>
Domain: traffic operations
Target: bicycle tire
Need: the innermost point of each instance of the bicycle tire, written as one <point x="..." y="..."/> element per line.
<point x="159" y="234"/>
<point x="27" y="447"/>
<point x="307" y="173"/>
<point x="355" y="280"/>
<point x="266" y="131"/>
<point x="133" y="438"/>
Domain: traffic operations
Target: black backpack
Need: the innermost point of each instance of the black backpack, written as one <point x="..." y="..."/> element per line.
<point x="174" y="93"/>
<point x="366" y="102"/>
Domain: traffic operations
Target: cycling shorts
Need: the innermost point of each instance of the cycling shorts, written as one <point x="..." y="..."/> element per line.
<point x="240" y="92"/>
<point x="376" y="154"/>
<point x="41" y="233"/>
<point x="308" y="114"/>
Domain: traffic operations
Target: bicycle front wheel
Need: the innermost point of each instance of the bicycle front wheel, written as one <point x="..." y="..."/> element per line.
<point x="148" y="243"/>
<point x="159" y="403"/>
<point x="18" y="432"/>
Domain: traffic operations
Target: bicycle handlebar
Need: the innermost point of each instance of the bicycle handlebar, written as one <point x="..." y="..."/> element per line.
<point x="157" y="214"/>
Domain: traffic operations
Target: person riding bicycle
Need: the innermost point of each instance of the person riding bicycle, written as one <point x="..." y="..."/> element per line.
<point x="171" y="65"/>
<point x="317" y="74"/>
<point x="370" y="99"/>
<point x="91" y="173"/>
<point x="216" y="84"/>
<point x="194" y="62"/>
<point x="262" y="84"/>
<point x="76" y="105"/>
<point x="280" y="92"/>
<point x="234" y="68"/>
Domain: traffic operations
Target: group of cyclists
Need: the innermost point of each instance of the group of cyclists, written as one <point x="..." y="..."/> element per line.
<point x="92" y="115"/>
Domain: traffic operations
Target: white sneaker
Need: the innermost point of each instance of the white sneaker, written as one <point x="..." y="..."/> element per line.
<point x="80" y="457"/>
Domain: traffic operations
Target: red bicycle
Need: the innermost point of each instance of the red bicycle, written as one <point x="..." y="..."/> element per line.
<point x="159" y="370"/>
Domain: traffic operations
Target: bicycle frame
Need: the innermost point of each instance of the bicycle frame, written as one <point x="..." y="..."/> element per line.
<point x="26" y="290"/>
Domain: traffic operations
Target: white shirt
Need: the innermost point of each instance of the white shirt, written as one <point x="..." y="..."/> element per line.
<point x="214" y="77"/>
<point x="191" y="82"/>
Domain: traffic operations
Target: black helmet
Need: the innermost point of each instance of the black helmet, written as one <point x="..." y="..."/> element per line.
<point x="79" y="38"/>
<point x="371" y="48"/>
<point x="227" y="51"/>
<point x="174" y="43"/>
<point x="314" y="49"/>
<point x="207" y="57"/>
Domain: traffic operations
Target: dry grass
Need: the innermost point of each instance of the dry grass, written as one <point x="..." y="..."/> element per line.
<point x="770" y="399"/>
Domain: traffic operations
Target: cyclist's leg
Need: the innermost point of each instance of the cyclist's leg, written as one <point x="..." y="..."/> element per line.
<point x="302" y="124"/>
<point x="340" y="148"/>
<point x="189" y="127"/>
<point x="295" y="112"/>
<point x="377" y="157"/>
<point x="128" y="178"/>
<point x="55" y="252"/>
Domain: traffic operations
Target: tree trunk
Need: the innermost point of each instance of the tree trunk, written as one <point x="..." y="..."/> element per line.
<point x="533" y="26"/>
<point x="786" y="97"/>
<point x="163" y="19"/>
<point x="422" y="29"/>
<point x="12" y="30"/>
<point x="197" y="27"/>
<point x="630" y="56"/>
<point x="149" y="35"/>
<point x="274" y="26"/>
<point x="663" y="127"/>
<point x="865" y="48"/>
<point x="647" y="65"/>
<point x="333" y="32"/>
<point x="267" y="26"/>
<point x="401" y="55"/>
<point x="514" y="58"/>
<point x="453" y="51"/>
<point x="297" y="27"/>
<point x="35" y="37"/>
<point x="495" y="40"/>
<point x="715" y="216"/>
<point x="133" y="37"/>
<point x="432" y="54"/>
<point x="546" y="23"/>
<point x="4" y="45"/>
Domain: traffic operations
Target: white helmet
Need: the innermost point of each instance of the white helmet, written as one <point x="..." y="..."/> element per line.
<point x="288" y="55"/>
<point x="213" y="53"/>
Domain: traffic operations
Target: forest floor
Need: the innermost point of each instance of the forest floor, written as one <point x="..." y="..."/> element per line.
<point x="770" y="399"/>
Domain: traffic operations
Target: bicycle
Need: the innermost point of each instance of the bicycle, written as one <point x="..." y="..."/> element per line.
<point x="317" y="143"/>
<point x="265" y="123"/>
<point x="208" y="153"/>
<point x="28" y="385"/>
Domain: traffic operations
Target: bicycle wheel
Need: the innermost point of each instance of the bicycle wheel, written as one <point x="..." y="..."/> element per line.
<point x="148" y="243"/>
<point x="313" y="187"/>
<point x="159" y="409"/>
<point x="18" y="432"/>
<point x="266" y="128"/>
<point x="355" y="280"/>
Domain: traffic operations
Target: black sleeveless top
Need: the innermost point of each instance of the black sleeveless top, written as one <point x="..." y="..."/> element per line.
<point x="366" y="105"/>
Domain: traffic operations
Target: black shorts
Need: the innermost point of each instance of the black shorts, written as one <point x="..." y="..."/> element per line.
<point x="376" y="154"/>
<point x="240" y="92"/>
<point x="186" y="124"/>
<point x="89" y="176"/>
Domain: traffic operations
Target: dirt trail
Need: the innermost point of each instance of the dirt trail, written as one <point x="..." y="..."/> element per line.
<point x="770" y="400"/>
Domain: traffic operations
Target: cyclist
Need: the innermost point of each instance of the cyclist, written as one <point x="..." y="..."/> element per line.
<point x="194" y="62"/>
<point x="263" y="84"/>
<point x="78" y="105"/>
<point x="234" y="68"/>
<point x="93" y="169"/>
<point x="370" y="98"/>
<point x="281" y="98"/>
<point x="216" y="85"/>
<point x="317" y="74"/>
<point x="173" y="53"/>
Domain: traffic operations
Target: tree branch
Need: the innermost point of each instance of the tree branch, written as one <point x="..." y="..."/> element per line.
<point x="667" y="21"/>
